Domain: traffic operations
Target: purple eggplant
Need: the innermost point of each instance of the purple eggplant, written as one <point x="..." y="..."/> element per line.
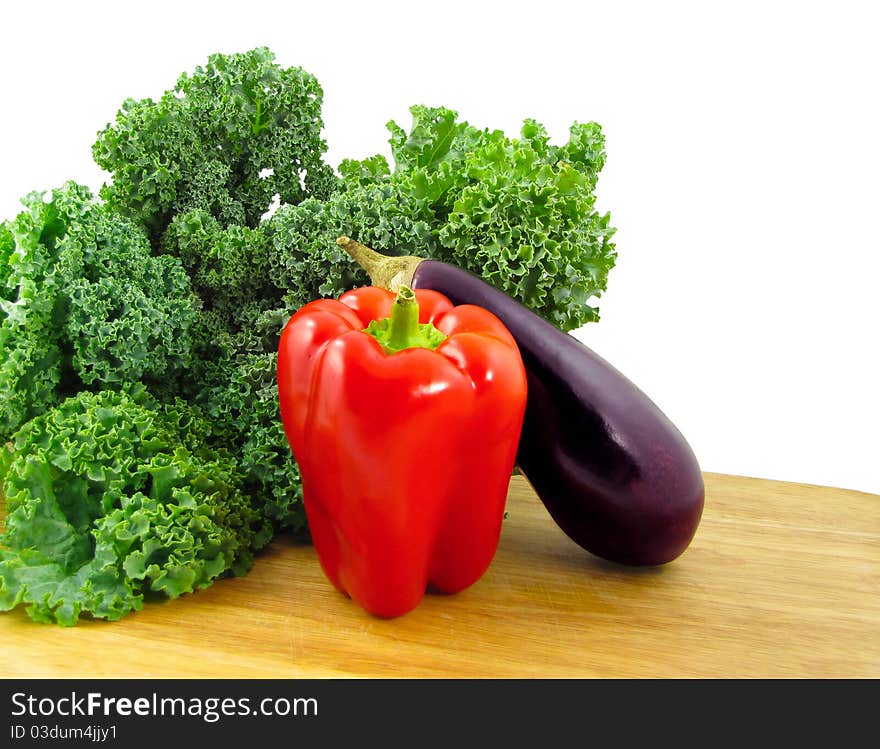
<point x="613" y="471"/>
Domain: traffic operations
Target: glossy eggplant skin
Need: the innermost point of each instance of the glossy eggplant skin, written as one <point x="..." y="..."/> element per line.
<point x="613" y="471"/>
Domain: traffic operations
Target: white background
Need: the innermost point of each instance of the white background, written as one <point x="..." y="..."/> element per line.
<point x="743" y="168"/>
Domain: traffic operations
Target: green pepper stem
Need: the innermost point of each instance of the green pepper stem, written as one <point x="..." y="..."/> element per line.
<point x="401" y="330"/>
<point x="404" y="320"/>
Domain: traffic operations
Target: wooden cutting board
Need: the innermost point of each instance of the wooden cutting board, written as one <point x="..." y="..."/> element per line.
<point x="782" y="580"/>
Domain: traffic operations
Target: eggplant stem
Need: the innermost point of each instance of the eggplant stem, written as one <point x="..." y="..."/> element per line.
<point x="384" y="270"/>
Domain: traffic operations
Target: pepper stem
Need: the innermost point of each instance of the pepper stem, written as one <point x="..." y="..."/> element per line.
<point x="384" y="270"/>
<point x="404" y="328"/>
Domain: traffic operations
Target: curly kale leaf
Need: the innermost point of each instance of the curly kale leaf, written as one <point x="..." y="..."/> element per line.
<point x="228" y="138"/>
<point x="235" y="339"/>
<point x="30" y="377"/>
<point x="519" y="212"/>
<point x="85" y="304"/>
<point x="7" y="248"/>
<point x="108" y="499"/>
<point x="304" y="255"/>
<point x="132" y="321"/>
<point x="229" y="269"/>
<point x="240" y="396"/>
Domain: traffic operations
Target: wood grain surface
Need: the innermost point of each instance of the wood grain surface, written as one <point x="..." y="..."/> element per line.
<point x="782" y="580"/>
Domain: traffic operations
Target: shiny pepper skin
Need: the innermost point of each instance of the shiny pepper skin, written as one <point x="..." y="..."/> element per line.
<point x="405" y="457"/>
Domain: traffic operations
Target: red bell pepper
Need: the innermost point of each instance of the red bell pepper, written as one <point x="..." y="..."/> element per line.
<point x="404" y="416"/>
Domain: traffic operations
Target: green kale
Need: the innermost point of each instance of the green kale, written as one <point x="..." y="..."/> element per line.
<point x="305" y="257"/>
<point x="235" y="342"/>
<point x="85" y="304"/>
<point x="229" y="269"/>
<point x="7" y="248"/>
<point x="111" y="496"/>
<point x="226" y="140"/>
<point x="228" y="266"/>
<point x="240" y="395"/>
<point x="519" y="212"/>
